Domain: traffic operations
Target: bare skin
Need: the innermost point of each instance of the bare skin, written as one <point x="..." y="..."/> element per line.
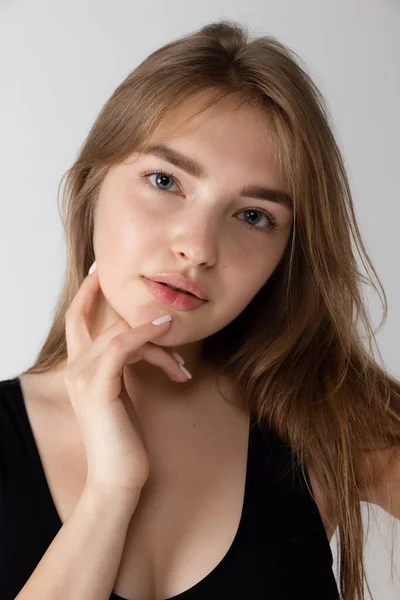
<point x="170" y="509"/>
<point x="195" y="439"/>
<point x="198" y="448"/>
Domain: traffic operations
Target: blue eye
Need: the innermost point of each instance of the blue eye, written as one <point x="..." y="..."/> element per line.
<point x="160" y="179"/>
<point x="163" y="175"/>
<point x="271" y="220"/>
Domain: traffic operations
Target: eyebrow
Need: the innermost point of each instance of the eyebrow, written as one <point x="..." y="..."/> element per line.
<point x="194" y="168"/>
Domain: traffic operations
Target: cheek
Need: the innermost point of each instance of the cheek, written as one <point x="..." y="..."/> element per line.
<point x="246" y="278"/>
<point x="250" y="270"/>
<point x="236" y="291"/>
<point x="244" y="291"/>
<point x="140" y="220"/>
<point x="123" y="231"/>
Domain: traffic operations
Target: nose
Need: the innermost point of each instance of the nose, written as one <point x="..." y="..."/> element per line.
<point x="195" y="255"/>
<point x="196" y="243"/>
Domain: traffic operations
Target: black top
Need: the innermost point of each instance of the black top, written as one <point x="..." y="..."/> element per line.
<point x="280" y="550"/>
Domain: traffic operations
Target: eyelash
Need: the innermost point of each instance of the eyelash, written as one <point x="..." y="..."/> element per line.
<point x="145" y="174"/>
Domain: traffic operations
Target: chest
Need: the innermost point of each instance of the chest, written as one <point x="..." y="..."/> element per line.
<point x="189" y="510"/>
<point x="181" y="530"/>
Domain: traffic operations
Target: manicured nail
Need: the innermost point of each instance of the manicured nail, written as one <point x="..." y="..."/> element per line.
<point x="162" y="320"/>
<point x="178" y="357"/>
<point x="92" y="268"/>
<point x="184" y="370"/>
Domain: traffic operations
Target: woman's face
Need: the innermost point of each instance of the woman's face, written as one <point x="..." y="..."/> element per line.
<point x="201" y="227"/>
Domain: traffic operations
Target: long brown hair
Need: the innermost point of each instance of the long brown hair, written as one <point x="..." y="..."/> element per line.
<point x="297" y="352"/>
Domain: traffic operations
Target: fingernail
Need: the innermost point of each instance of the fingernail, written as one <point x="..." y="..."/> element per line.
<point x="178" y="357"/>
<point x="162" y="320"/>
<point x="92" y="268"/>
<point x="184" y="370"/>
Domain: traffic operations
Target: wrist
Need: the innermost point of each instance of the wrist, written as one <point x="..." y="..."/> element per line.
<point x="105" y="499"/>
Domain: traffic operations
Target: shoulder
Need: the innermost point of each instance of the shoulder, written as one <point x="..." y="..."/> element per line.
<point x="9" y="394"/>
<point x="385" y="493"/>
<point x="12" y="423"/>
<point x="324" y="505"/>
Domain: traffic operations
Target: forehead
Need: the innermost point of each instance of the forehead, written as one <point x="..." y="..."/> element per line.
<point x="224" y="131"/>
<point x="225" y="116"/>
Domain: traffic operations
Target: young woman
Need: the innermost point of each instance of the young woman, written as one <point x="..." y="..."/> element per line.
<point x="128" y="474"/>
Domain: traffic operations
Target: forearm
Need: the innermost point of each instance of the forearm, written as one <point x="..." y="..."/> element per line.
<point x="83" y="559"/>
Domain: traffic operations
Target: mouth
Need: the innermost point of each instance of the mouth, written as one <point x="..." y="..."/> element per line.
<point x="174" y="297"/>
<point x="181" y="284"/>
<point x="177" y="289"/>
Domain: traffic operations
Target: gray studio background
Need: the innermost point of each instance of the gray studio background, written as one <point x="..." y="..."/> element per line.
<point x="60" y="61"/>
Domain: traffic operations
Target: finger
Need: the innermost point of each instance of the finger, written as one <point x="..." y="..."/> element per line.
<point x="83" y="362"/>
<point x="158" y="356"/>
<point x="77" y="317"/>
<point x="111" y="363"/>
<point x="104" y="371"/>
<point x="131" y="337"/>
<point x="99" y="345"/>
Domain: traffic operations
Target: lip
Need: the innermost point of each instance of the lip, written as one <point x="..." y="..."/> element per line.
<point x="173" y="299"/>
<point x="178" y="281"/>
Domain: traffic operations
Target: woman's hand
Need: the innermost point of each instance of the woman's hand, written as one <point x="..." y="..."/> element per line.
<point x="117" y="461"/>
